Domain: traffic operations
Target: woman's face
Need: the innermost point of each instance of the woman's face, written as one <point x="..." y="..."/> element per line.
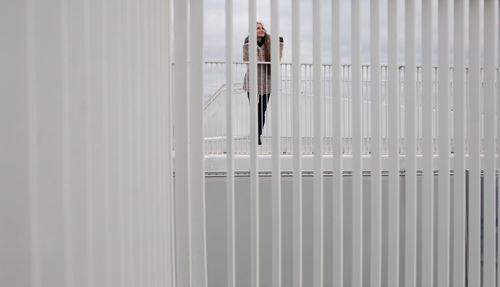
<point x="261" y="32"/>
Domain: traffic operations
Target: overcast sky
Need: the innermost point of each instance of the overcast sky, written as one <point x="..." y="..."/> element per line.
<point x="215" y="29"/>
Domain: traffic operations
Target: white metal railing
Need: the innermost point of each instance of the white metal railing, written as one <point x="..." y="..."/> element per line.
<point x="214" y="110"/>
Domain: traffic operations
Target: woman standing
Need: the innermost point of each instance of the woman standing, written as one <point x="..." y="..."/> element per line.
<point x="263" y="73"/>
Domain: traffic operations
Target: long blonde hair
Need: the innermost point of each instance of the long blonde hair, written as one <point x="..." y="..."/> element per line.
<point x="267" y="44"/>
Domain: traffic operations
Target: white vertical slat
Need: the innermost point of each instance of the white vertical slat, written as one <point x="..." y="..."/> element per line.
<point x="181" y="123"/>
<point x="197" y="180"/>
<point x="254" y="176"/>
<point x="150" y="147"/>
<point x="98" y="210"/>
<point x="161" y="175"/>
<point x="337" y="122"/>
<point x="158" y="269"/>
<point x="498" y="117"/>
<point x="161" y="218"/>
<point x="131" y="140"/>
<point x="164" y="110"/>
<point x="318" y="231"/>
<point x="94" y="141"/>
<point x="276" y="142"/>
<point x="169" y="274"/>
<point x="168" y="130"/>
<point x="297" y="146"/>
<point x="474" y="198"/>
<point x="149" y="116"/>
<point x="393" y="204"/>
<point x="427" y="266"/>
<point x="137" y="84"/>
<point x="122" y="108"/>
<point x="167" y="146"/>
<point x="141" y="113"/>
<point x="145" y="115"/>
<point x="150" y="169"/>
<point x="144" y="49"/>
<point x="143" y="209"/>
<point x="444" y="148"/>
<point x="17" y="259"/>
<point x="114" y="202"/>
<point x="459" y="196"/>
<point x="120" y="91"/>
<point x="159" y="144"/>
<point x="489" y="192"/>
<point x="122" y="97"/>
<point x="68" y="240"/>
<point x="230" y="199"/>
<point x="47" y="33"/>
<point x="376" y="124"/>
<point x="32" y="125"/>
<point x="155" y="142"/>
<point x="357" y="168"/>
<point x="90" y="126"/>
<point x="105" y="24"/>
<point x="411" y="149"/>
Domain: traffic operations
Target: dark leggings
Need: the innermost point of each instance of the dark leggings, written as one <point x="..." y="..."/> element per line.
<point x="262" y="107"/>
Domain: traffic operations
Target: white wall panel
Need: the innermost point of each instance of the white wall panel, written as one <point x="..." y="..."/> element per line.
<point x="80" y="161"/>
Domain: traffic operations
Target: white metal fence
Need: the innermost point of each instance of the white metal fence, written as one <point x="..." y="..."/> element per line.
<point x="214" y="116"/>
